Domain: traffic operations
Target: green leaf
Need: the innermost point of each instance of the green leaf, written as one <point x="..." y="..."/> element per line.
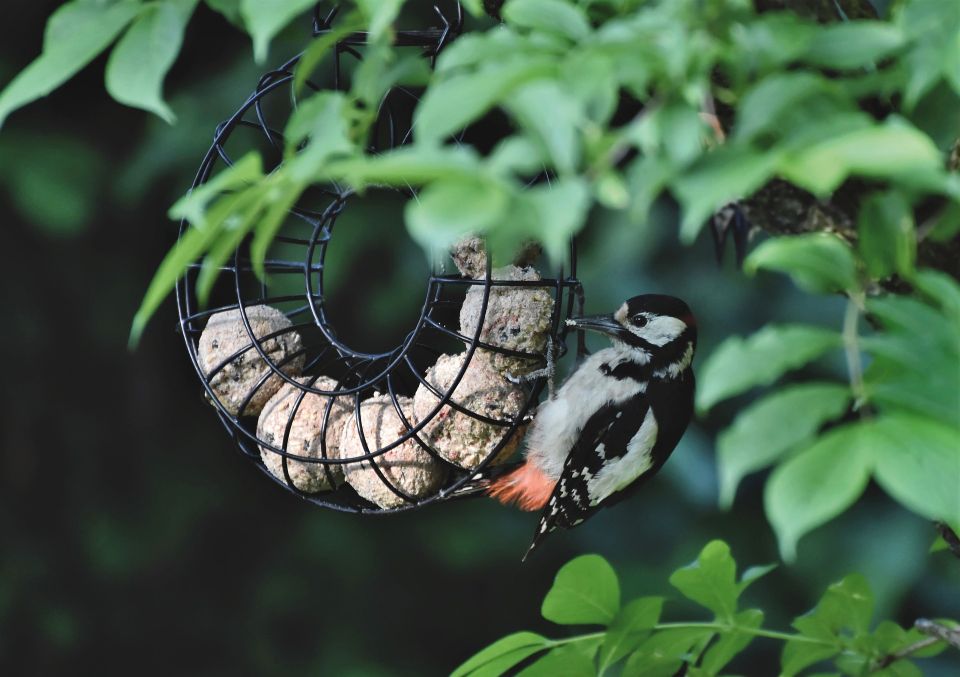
<point x="663" y="653"/>
<point x="140" y="61"/>
<point x="818" y="483"/>
<point x="565" y="660"/>
<point x="647" y="176"/>
<point x="773" y="426"/>
<point x="193" y="205"/>
<point x="711" y="580"/>
<point x="900" y="668"/>
<point x="452" y="103"/>
<point x="560" y="210"/>
<point x="846" y="606"/>
<point x="476" y="49"/>
<point x="738" y="364"/>
<point x="556" y="133"/>
<point x="447" y="210"/>
<point x="404" y="167"/>
<point x="282" y="199"/>
<point x="817" y="262"/>
<point x="727" y="174"/>
<point x="766" y="104"/>
<point x="380" y="15"/>
<point x="76" y="33"/>
<point x="914" y="318"/>
<point x="892" y="150"/>
<point x="191" y="245"/>
<point x="266" y="18"/>
<point x="321" y="119"/>
<point x="946" y="224"/>
<point x="682" y="131"/>
<point x="934" y="27"/>
<point x="900" y="378"/>
<point x="551" y="16"/>
<point x="731" y="643"/>
<point x="631" y="626"/>
<point x="321" y="46"/>
<point x="585" y="592"/>
<point x="914" y="358"/>
<point x="772" y="40"/>
<point x="917" y="461"/>
<point x="208" y="224"/>
<point x="853" y="44"/>
<point x="941" y="288"/>
<point x="798" y="655"/>
<point x="887" y="240"/>
<point x="229" y="9"/>
<point x="502" y="655"/>
<point x="233" y="229"/>
<point x="590" y="79"/>
<point x="516" y="154"/>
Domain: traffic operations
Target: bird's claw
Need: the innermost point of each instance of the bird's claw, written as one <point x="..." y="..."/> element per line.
<point x="731" y="219"/>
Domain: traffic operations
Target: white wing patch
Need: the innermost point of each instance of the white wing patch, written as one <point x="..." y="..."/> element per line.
<point x="618" y="473"/>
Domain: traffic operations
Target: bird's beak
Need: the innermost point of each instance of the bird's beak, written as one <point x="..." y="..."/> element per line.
<point x="605" y="324"/>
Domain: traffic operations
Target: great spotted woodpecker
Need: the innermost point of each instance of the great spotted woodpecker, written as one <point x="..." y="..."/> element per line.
<point x="614" y="421"/>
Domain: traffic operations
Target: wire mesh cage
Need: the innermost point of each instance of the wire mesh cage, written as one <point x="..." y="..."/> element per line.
<point x="358" y="430"/>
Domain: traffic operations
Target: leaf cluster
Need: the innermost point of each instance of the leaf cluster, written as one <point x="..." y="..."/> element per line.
<point x="896" y="421"/>
<point x="634" y="640"/>
<point x="619" y="101"/>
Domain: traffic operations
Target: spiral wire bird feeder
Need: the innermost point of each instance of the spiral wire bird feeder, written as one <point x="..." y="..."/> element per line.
<point x="318" y="353"/>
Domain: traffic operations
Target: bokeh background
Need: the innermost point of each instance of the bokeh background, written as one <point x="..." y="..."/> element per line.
<point x="133" y="537"/>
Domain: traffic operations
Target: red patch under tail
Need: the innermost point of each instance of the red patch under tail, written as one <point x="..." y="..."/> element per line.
<point x="527" y="486"/>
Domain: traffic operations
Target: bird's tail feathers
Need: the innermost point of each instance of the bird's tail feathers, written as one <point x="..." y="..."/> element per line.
<point x="527" y="486"/>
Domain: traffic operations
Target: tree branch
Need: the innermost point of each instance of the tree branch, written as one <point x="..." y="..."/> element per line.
<point x="939" y="631"/>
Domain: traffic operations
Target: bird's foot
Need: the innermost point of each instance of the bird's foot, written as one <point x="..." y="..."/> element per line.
<point x="549" y="372"/>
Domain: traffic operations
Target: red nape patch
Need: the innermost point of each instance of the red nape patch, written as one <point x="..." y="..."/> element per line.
<point x="526" y="486"/>
<point x="689" y="320"/>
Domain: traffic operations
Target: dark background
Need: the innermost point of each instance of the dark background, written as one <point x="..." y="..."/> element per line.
<point x="135" y="538"/>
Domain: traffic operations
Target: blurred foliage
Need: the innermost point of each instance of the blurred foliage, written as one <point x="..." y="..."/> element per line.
<point x="129" y="533"/>
<point x="586" y="591"/>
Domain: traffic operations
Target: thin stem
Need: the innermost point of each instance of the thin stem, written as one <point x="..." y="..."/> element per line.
<point x="905" y="652"/>
<point x="851" y="347"/>
<point x="757" y="632"/>
<point x="576" y="638"/>
<point x="719" y="627"/>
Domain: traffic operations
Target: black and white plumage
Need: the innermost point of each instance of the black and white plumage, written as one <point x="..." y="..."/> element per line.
<point x="615" y="420"/>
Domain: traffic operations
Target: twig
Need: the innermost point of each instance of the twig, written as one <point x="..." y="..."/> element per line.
<point x="851" y="344"/>
<point x="939" y="631"/>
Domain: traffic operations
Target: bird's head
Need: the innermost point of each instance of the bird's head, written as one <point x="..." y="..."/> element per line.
<point x="658" y="328"/>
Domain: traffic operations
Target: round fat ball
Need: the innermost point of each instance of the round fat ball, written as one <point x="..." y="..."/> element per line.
<point x="516" y="318"/>
<point x="306" y="433"/>
<point x="470" y="255"/>
<point x="458" y="437"/>
<point x="407" y="466"/>
<point x="225" y="334"/>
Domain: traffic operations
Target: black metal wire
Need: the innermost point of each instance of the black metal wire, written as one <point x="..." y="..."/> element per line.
<point x="359" y="373"/>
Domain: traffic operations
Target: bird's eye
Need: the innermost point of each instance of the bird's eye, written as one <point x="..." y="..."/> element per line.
<point x="639" y="320"/>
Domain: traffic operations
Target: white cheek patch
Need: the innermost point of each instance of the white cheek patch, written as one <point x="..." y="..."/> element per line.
<point x="661" y="329"/>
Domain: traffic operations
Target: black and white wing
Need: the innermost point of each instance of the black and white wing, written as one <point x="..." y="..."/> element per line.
<point x="614" y="449"/>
